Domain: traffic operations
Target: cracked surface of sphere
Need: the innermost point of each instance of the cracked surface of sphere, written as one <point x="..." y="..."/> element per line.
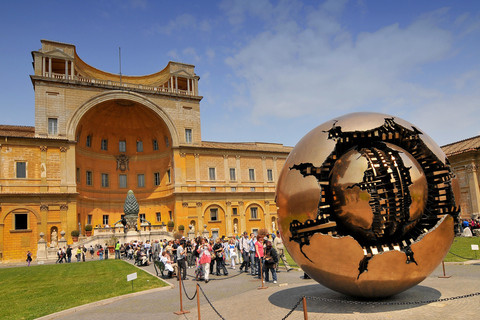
<point x="367" y="205"/>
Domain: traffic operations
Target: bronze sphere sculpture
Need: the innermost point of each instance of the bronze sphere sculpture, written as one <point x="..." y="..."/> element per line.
<point x="366" y="205"/>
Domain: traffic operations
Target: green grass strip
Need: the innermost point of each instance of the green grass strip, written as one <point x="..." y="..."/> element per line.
<point x="39" y="290"/>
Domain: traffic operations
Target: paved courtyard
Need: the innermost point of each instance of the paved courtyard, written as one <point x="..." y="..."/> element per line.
<point x="237" y="296"/>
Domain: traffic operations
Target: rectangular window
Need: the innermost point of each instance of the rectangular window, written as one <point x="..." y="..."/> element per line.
<point x="122" y="181"/>
<point x="105" y="219"/>
<point x="21" y="170"/>
<point x="89" y="219"/>
<point x="88" y="143"/>
<point x="155" y="144"/>
<point x="140" y="180"/>
<point x="254" y="213"/>
<point x="251" y="174"/>
<point x="122" y="146"/>
<point x="233" y="175"/>
<point x="156" y="178"/>
<point x="269" y="174"/>
<point x="88" y="179"/>
<point x="104" y="145"/>
<point x="214" y="214"/>
<point x="21" y="221"/>
<point x="252" y="189"/>
<point x="169" y="176"/>
<point x="213" y="189"/>
<point x="52" y="126"/>
<point x="78" y="175"/>
<point x="211" y="173"/>
<point x="167" y="142"/>
<point x="105" y="180"/>
<point x="234" y="211"/>
<point x="142" y="217"/>
<point x="139" y="146"/>
<point x="233" y="189"/>
<point x="159" y="217"/>
<point x="188" y="135"/>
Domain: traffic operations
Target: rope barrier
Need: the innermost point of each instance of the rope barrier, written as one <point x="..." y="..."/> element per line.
<point x="186" y="294"/>
<point x="456" y="255"/>
<point x="394" y="303"/>
<point x="211" y="305"/>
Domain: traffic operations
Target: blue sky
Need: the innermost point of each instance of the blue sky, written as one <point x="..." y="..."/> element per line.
<point x="270" y="70"/>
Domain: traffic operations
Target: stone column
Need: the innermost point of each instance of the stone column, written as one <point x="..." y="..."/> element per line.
<point x="63" y="168"/>
<point x="49" y="67"/>
<point x="72" y="73"/>
<point x="275" y="169"/>
<point x="43" y="169"/>
<point x="199" y="215"/>
<point x="239" y="170"/>
<point x="475" y="194"/>
<point x="228" y="218"/>
<point x="43" y="67"/>
<point x="188" y="86"/>
<point x="243" y="221"/>
<point x="197" y="172"/>
<point x="66" y="69"/>
<point x="225" y="169"/>
<point x="264" y="169"/>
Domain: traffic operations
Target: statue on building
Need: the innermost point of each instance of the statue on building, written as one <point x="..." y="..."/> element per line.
<point x="235" y="228"/>
<point x="53" y="239"/>
<point x="273" y="226"/>
<point x="192" y="228"/>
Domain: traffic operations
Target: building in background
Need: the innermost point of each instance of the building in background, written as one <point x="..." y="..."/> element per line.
<point x="98" y="135"/>
<point x="464" y="157"/>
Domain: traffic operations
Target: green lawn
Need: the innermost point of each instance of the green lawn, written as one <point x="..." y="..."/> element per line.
<point x="462" y="247"/>
<point x="32" y="292"/>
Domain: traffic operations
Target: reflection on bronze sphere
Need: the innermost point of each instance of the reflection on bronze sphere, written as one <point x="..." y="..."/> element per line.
<point x="366" y="205"/>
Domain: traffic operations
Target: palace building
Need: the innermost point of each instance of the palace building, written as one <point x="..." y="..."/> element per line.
<point x="98" y="135"/>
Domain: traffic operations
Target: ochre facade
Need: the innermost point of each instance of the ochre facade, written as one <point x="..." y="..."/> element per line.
<point x="98" y="135"/>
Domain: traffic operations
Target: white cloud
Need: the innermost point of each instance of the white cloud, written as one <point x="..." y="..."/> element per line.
<point x="294" y="70"/>
<point x="174" y="55"/>
<point x="184" y="21"/>
<point x="191" y="52"/>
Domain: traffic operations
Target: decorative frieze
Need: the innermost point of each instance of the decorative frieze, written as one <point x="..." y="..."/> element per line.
<point x="196" y="155"/>
<point x="267" y="202"/>
<point x="199" y="204"/>
<point x="43" y="207"/>
<point x="63" y="149"/>
<point x="240" y="203"/>
<point x="43" y="148"/>
<point x="63" y="207"/>
<point x="182" y="154"/>
<point x="185" y="204"/>
<point x="228" y="203"/>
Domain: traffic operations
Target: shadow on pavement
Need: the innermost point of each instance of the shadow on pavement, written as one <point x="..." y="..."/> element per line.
<point x="349" y="305"/>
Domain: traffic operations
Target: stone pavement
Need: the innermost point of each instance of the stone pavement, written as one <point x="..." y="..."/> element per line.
<point x="237" y="296"/>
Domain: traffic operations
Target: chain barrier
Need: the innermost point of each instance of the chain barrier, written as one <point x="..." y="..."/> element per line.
<point x="456" y="255"/>
<point x="186" y="294"/>
<point x="370" y="303"/>
<point x="293" y="309"/>
<point x="211" y="305"/>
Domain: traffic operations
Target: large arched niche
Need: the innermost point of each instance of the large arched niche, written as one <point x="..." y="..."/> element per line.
<point x="72" y="127"/>
<point x="103" y="176"/>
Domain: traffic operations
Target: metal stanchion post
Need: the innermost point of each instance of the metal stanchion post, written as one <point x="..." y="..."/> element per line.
<point x="181" y="300"/>
<point x="198" y="304"/>
<point x="444" y="276"/>
<point x="261" y="277"/>
<point x="305" y="313"/>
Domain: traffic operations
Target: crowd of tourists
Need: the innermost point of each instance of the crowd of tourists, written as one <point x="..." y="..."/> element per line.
<point x="250" y="253"/>
<point x="253" y="254"/>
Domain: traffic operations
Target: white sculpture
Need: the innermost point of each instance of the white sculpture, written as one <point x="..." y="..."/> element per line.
<point x="273" y="226"/>
<point x="53" y="239"/>
<point x="235" y="228"/>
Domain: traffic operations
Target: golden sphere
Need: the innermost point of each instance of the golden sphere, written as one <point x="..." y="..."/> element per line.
<point x="366" y="205"/>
